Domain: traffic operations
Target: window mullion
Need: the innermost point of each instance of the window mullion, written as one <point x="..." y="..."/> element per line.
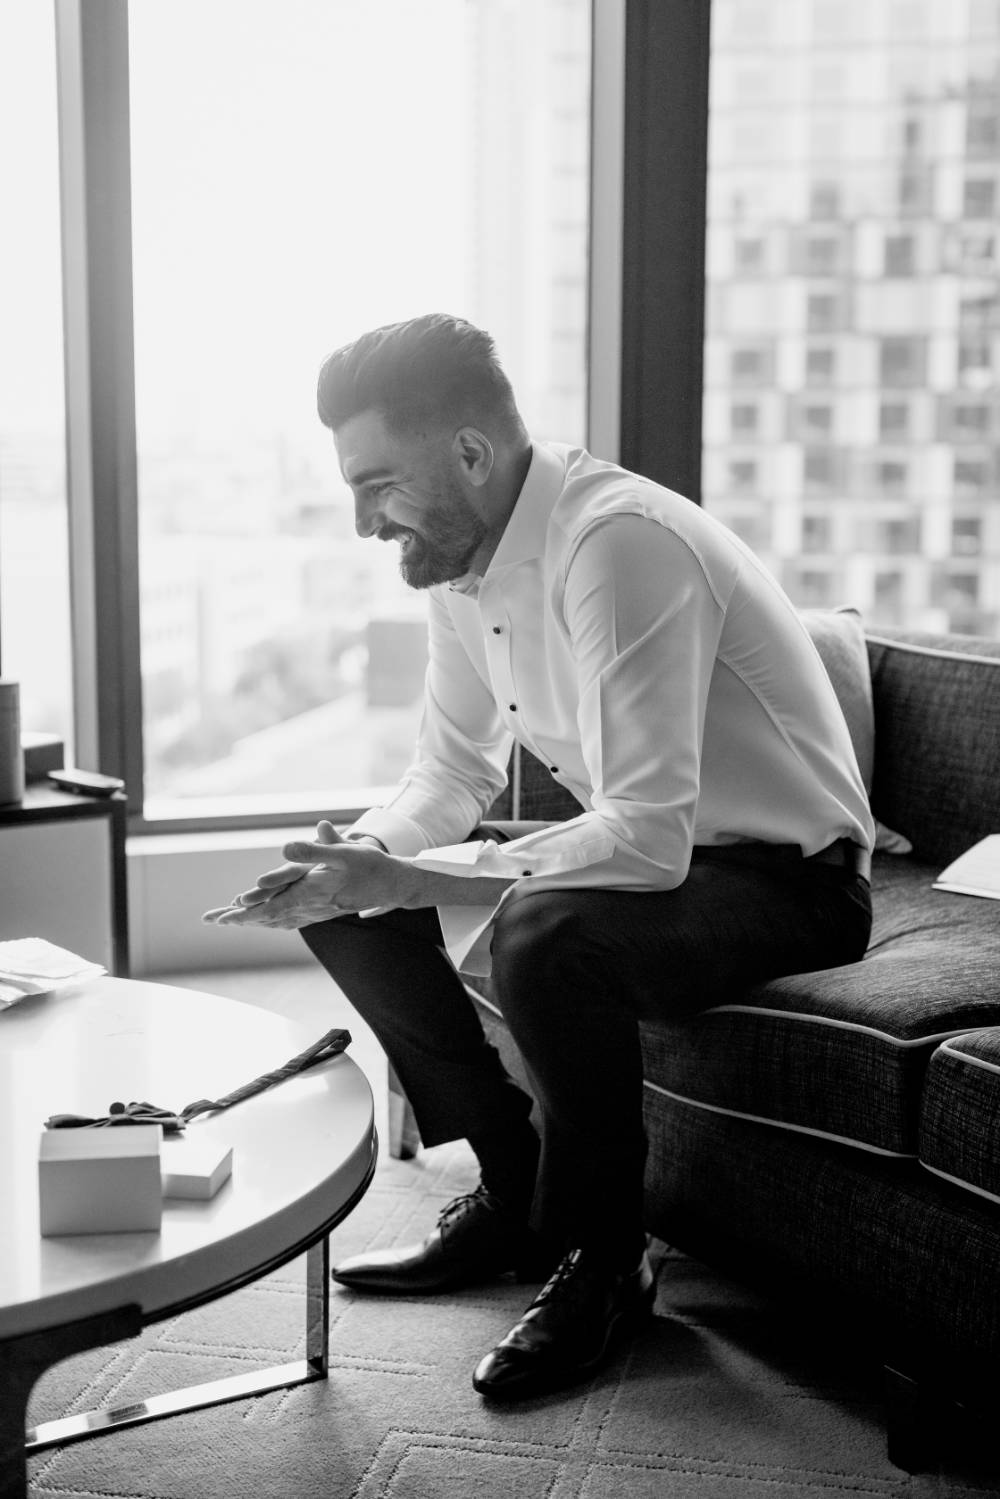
<point x="93" y="91"/>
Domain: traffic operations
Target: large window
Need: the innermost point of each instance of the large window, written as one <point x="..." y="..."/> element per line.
<point x="856" y="149"/>
<point x="34" y="581"/>
<point x="303" y="170"/>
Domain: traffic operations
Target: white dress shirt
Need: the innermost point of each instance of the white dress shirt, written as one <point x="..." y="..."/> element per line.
<point x="643" y="653"/>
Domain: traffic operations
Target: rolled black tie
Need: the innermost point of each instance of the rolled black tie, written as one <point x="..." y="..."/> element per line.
<point x="330" y="1045"/>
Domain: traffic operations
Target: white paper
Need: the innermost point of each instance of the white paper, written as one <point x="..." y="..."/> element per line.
<point x="976" y="872"/>
<point x="30" y="965"/>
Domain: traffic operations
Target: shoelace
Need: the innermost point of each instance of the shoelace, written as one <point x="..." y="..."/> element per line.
<point x="565" y="1280"/>
<point x="459" y="1207"/>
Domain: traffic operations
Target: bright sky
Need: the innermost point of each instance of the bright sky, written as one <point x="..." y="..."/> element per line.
<point x="300" y="173"/>
<point x="30" y="280"/>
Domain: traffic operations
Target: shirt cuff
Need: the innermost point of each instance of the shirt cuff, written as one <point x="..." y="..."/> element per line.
<point x="549" y="852"/>
<point x="467" y="933"/>
<point x="398" y="834"/>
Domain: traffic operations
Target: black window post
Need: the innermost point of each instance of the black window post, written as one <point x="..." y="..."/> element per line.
<point x="663" y="248"/>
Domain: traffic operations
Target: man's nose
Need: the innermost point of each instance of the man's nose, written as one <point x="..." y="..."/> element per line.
<point x="367" y="517"/>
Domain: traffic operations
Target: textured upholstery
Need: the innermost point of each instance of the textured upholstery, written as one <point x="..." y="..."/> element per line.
<point x="891" y="1236"/>
<point x="937" y="740"/>
<point x="844" y="1052"/>
<point x="960" y="1120"/>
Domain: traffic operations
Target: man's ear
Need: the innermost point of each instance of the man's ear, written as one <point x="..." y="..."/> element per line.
<point x="473" y="452"/>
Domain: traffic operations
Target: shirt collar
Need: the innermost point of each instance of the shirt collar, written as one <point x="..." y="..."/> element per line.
<point x="524" y="534"/>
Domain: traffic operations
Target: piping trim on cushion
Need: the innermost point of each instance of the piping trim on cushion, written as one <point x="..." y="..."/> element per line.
<point x="800" y="1129"/>
<point x="958" y="1182"/>
<point x="846" y="1025"/>
<point x="932" y="650"/>
<point x="963" y="1056"/>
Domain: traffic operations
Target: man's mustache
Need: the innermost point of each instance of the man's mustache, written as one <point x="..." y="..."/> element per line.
<point x="391" y="532"/>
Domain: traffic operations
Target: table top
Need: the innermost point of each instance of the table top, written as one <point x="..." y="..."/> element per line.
<point x="302" y="1151"/>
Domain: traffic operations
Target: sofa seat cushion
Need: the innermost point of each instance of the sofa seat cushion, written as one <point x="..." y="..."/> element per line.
<point x="960" y="1118"/>
<point x="843" y="1053"/>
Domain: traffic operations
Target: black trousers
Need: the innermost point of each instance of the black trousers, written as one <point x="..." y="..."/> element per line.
<point x="574" y="972"/>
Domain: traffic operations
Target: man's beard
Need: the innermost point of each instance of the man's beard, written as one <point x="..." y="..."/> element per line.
<point x="450" y="536"/>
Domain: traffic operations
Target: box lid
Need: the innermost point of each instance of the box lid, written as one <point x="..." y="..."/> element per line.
<point x="115" y="1142"/>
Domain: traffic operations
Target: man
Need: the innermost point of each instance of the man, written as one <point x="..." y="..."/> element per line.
<point x="644" y="654"/>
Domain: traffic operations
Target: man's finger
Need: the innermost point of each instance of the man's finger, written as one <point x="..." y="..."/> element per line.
<point x="215" y="913"/>
<point x="314" y="853"/>
<point x="255" y="896"/>
<point x="284" y="875"/>
<point x="238" y="916"/>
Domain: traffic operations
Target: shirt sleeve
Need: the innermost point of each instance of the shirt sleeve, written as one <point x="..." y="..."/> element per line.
<point x="644" y="625"/>
<point x="460" y="763"/>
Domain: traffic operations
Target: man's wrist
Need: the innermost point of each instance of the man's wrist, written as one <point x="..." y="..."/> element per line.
<point x="368" y="839"/>
<point x="419" y="887"/>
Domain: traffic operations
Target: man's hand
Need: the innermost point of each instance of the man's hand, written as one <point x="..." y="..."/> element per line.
<point x="330" y="877"/>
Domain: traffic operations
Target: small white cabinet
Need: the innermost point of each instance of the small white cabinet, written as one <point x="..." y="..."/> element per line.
<point x="62" y="873"/>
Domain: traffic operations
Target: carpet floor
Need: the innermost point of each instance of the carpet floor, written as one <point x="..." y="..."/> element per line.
<point x="716" y="1399"/>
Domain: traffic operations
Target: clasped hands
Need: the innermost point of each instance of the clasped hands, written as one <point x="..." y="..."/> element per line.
<point x="330" y="877"/>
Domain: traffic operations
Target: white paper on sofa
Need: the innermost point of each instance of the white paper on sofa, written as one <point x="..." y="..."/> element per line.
<point x="976" y="872"/>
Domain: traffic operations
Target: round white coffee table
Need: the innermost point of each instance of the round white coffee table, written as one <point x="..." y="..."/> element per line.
<point x="303" y="1155"/>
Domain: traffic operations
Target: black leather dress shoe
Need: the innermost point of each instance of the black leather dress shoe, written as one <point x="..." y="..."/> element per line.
<point x="477" y="1239"/>
<point x="569" y="1329"/>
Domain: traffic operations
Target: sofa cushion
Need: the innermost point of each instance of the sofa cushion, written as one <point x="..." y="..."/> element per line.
<point x="960" y="1118"/>
<point x="842" y="1053"/>
<point x="937" y="739"/>
<point x="839" y="637"/>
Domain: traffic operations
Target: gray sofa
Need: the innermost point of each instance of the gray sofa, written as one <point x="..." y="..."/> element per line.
<point x="835" y="1136"/>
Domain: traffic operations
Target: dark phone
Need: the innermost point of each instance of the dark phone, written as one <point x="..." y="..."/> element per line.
<point x="88" y="782"/>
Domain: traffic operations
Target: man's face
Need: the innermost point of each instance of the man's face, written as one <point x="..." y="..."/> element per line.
<point x="407" y="489"/>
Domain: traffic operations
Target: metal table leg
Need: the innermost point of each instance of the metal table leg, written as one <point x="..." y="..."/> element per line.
<point x="23" y="1360"/>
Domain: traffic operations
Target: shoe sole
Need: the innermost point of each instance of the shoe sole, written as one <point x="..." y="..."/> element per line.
<point x="523" y="1274"/>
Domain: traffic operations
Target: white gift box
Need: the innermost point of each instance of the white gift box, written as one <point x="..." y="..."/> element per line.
<point x="100" y="1181"/>
<point x="195" y="1168"/>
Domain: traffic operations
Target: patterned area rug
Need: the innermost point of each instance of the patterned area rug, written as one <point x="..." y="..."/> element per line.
<point x="715" y="1400"/>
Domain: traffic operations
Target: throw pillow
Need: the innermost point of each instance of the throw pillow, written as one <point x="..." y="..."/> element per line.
<point x="839" y="637"/>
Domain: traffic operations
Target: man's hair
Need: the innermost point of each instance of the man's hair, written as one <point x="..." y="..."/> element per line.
<point x="417" y="374"/>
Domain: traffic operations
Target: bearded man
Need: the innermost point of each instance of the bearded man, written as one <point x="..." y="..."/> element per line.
<point x="645" y="655"/>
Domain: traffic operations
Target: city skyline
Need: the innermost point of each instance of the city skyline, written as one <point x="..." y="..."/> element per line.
<point x="852" y="410"/>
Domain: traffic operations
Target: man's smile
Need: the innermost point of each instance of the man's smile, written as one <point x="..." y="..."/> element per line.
<point x="402" y="534"/>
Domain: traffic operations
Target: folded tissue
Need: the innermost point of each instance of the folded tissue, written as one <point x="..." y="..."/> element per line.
<point x="30" y="965"/>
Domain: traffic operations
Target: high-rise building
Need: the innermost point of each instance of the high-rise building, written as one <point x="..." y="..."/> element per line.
<point x="852" y="404"/>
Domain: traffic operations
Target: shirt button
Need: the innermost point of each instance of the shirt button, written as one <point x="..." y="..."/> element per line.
<point x="525" y="871"/>
<point x="554" y="769"/>
<point x="513" y="707"/>
<point x="497" y="630"/>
